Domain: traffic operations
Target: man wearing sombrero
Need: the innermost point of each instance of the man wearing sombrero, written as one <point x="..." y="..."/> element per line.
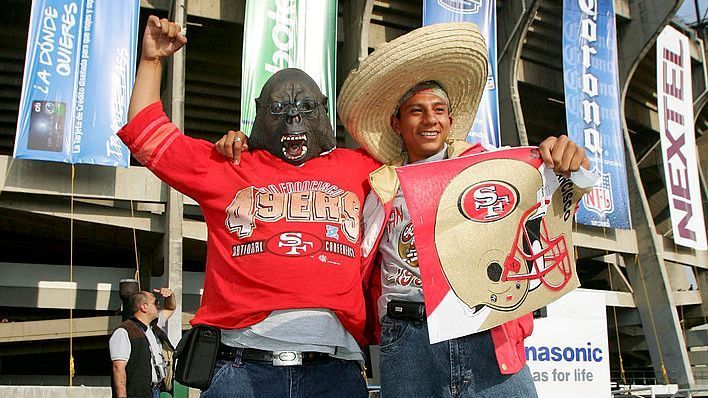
<point x="398" y="105"/>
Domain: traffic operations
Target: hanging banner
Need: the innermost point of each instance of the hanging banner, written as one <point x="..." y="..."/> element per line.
<point x="281" y="34"/>
<point x="494" y="231"/>
<point x="78" y="76"/>
<point x="678" y="140"/>
<point x="483" y="13"/>
<point x="591" y="84"/>
<point x="567" y="352"/>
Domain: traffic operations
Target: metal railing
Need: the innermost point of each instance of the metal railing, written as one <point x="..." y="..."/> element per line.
<point x="680" y="393"/>
<point x="630" y="392"/>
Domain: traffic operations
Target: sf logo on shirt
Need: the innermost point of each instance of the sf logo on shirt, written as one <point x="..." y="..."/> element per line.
<point x="293" y="241"/>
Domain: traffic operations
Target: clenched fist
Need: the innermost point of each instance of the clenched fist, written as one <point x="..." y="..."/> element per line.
<point x="162" y="38"/>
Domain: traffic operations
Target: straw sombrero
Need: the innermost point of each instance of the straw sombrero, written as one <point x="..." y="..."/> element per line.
<point x="453" y="54"/>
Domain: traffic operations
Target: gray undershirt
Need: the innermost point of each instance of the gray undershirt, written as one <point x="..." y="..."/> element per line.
<point x="317" y="330"/>
<point x="400" y="275"/>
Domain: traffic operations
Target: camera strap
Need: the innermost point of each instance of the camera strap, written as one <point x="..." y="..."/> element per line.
<point x="159" y="374"/>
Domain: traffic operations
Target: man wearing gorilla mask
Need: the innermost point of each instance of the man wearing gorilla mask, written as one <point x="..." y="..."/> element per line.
<point x="283" y="279"/>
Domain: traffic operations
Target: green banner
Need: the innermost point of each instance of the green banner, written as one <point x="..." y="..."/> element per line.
<point x="281" y="34"/>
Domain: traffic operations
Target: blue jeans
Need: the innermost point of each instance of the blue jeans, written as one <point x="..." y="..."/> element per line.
<point x="463" y="367"/>
<point x="332" y="378"/>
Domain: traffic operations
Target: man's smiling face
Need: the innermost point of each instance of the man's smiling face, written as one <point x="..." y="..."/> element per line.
<point x="423" y="122"/>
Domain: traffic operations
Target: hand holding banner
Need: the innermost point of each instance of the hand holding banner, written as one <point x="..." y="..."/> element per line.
<point x="493" y="234"/>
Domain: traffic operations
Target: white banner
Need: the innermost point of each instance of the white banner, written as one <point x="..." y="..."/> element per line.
<point x="568" y="353"/>
<point x="678" y="138"/>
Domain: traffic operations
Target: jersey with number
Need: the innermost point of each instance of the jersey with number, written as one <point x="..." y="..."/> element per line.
<point x="279" y="236"/>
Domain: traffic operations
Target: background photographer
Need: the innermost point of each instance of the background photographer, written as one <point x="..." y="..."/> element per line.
<point x="136" y="346"/>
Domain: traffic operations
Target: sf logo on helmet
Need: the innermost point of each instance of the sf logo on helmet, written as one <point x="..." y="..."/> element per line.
<point x="488" y="201"/>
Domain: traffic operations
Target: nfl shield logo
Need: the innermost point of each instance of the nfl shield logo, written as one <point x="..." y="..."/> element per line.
<point x="599" y="199"/>
<point x="461" y="6"/>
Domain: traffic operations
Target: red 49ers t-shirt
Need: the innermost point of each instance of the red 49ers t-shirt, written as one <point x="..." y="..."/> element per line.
<point x="279" y="236"/>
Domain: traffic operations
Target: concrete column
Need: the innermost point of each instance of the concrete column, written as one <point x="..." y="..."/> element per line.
<point x="355" y="47"/>
<point x="146" y="270"/>
<point x="175" y="206"/>
<point x="514" y="19"/>
<point x="5" y="163"/>
<point x="647" y="271"/>
<point x="702" y="280"/>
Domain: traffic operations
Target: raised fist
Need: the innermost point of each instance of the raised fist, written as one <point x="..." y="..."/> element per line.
<point x="162" y="38"/>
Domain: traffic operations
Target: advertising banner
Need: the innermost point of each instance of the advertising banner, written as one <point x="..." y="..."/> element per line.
<point x="592" y="111"/>
<point x="78" y="76"/>
<point x="493" y="235"/>
<point x="281" y="34"/>
<point x="678" y="139"/>
<point x="567" y="352"/>
<point x="483" y="13"/>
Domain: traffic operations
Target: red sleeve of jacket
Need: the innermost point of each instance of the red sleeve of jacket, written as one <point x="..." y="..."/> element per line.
<point x="178" y="160"/>
<point x="372" y="292"/>
<point x="508" y="339"/>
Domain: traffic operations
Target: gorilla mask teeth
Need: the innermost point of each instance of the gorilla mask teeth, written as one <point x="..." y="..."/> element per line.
<point x="294" y="146"/>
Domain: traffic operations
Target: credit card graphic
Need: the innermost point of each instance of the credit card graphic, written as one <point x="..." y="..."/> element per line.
<point x="46" y="127"/>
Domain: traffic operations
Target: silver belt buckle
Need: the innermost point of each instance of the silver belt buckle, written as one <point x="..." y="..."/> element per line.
<point x="287" y="358"/>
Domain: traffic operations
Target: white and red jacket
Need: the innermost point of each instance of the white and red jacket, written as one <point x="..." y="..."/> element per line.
<point x="508" y="338"/>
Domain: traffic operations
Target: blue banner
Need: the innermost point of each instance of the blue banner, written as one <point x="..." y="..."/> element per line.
<point x="79" y="72"/>
<point x="592" y="111"/>
<point x="484" y="14"/>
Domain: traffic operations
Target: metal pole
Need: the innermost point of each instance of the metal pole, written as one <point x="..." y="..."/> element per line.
<point x="174" y="208"/>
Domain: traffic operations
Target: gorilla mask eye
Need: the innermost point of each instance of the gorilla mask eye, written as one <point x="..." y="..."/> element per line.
<point x="277" y="108"/>
<point x="305" y="106"/>
<point x="302" y="106"/>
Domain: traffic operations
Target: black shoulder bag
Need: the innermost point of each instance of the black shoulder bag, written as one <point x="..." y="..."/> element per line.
<point x="195" y="356"/>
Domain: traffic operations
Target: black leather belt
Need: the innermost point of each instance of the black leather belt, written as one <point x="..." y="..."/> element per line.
<point x="409" y="310"/>
<point x="276" y="358"/>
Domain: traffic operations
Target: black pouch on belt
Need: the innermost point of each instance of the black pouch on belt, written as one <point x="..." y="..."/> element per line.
<point x="409" y="310"/>
<point x="195" y="356"/>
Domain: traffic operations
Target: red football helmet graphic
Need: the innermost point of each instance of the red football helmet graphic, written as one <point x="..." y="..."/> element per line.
<point x="495" y="210"/>
<point x="545" y="257"/>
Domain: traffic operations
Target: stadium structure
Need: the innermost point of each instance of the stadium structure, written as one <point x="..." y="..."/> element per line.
<point x="66" y="243"/>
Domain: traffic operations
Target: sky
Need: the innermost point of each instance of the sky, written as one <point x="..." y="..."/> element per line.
<point x="687" y="12"/>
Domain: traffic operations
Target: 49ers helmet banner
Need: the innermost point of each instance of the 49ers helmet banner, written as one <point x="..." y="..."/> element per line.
<point x="493" y="235"/>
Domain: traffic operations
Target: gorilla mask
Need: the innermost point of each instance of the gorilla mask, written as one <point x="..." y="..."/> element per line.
<point x="291" y="118"/>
